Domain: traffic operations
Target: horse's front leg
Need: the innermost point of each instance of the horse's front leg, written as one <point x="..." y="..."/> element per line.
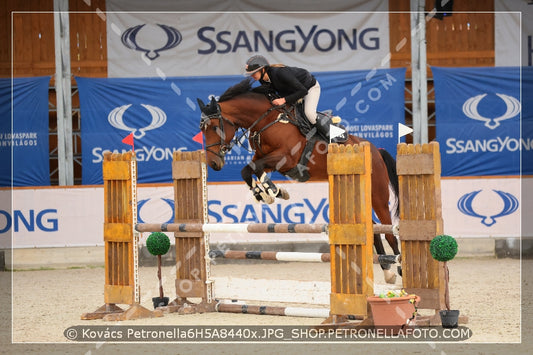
<point x="271" y="189"/>
<point x="264" y="189"/>
<point x="247" y="175"/>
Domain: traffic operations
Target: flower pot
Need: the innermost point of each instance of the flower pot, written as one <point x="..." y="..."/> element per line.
<point x="449" y="319"/>
<point x="393" y="313"/>
<point x="159" y="302"/>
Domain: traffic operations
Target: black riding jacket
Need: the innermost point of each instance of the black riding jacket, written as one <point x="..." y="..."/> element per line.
<point x="291" y="83"/>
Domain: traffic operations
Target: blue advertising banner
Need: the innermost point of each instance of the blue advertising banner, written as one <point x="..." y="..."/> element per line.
<point x="527" y="121"/>
<point x="161" y="113"/>
<point x="163" y="116"/>
<point x="478" y="121"/>
<point x="24" y="136"/>
<point x="370" y="103"/>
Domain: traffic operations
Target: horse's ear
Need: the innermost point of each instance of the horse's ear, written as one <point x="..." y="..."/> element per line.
<point x="201" y="104"/>
<point x="213" y="101"/>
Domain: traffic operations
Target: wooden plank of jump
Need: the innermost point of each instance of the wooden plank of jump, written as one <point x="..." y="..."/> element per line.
<point x="419" y="172"/>
<point x="189" y="174"/>
<point x="350" y="230"/>
<point x="118" y="230"/>
<point x="121" y="286"/>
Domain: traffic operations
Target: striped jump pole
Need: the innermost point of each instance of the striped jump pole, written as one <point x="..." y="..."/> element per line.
<point x="233" y="228"/>
<point x="272" y="310"/>
<point x="291" y="256"/>
<point x="251" y="228"/>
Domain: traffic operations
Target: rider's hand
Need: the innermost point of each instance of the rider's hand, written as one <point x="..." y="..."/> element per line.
<point x="279" y="102"/>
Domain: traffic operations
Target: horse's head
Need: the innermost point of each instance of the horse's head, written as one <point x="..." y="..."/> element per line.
<point x="218" y="132"/>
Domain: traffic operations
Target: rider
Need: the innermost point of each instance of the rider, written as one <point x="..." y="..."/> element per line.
<point x="290" y="83"/>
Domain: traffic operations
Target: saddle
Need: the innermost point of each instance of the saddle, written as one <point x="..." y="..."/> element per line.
<point x="321" y="131"/>
<point x="323" y="123"/>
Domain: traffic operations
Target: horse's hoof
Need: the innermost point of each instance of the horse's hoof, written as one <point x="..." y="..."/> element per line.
<point x="257" y="192"/>
<point x="390" y="276"/>
<point x="267" y="198"/>
<point x="283" y="194"/>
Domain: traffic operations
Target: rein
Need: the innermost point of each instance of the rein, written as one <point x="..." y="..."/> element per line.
<point x="255" y="137"/>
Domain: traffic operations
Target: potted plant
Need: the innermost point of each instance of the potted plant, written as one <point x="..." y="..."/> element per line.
<point x="394" y="309"/>
<point x="444" y="248"/>
<point x="158" y="244"/>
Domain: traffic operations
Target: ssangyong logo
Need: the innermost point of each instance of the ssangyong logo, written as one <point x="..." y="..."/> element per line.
<point x="168" y="206"/>
<point x="510" y="205"/>
<point x="129" y="39"/>
<point x="116" y="120"/>
<point x="512" y="109"/>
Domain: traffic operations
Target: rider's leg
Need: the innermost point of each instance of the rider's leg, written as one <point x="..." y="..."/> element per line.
<point x="311" y="103"/>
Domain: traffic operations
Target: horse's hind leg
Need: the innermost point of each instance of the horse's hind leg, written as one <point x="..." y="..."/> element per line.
<point x="390" y="277"/>
<point x="380" y="203"/>
<point x="384" y="218"/>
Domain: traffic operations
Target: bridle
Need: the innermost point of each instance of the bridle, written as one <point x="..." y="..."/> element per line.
<point x="205" y="121"/>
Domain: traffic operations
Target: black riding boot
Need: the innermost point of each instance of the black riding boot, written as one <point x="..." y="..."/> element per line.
<point x="323" y="126"/>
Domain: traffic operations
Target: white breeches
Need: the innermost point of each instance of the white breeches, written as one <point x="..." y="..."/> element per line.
<point x="311" y="102"/>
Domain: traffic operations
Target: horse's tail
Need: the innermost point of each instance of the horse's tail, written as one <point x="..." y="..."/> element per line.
<point x="393" y="177"/>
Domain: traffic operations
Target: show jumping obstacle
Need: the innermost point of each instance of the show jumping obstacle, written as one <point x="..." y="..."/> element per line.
<point x="121" y="241"/>
<point x="419" y="171"/>
<point x="350" y="231"/>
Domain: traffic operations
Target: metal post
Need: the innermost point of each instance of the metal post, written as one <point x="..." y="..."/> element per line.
<point x="419" y="72"/>
<point x="423" y="74"/>
<point x="415" y="71"/>
<point x="63" y="93"/>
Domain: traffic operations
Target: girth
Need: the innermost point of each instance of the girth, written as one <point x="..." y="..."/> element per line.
<point x="301" y="172"/>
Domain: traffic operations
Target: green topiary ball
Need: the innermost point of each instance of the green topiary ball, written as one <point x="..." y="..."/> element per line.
<point x="443" y="248"/>
<point x="158" y="243"/>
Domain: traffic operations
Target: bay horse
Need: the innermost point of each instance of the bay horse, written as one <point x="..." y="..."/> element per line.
<point x="279" y="146"/>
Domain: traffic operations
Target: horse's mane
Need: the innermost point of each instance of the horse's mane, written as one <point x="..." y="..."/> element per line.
<point x="245" y="86"/>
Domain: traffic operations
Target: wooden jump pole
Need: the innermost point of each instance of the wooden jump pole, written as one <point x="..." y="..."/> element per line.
<point x="234" y="228"/>
<point x="292" y="256"/>
<point x="250" y="228"/>
<point x="273" y="310"/>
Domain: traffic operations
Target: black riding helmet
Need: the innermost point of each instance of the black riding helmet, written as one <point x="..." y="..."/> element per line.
<point x="255" y="63"/>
